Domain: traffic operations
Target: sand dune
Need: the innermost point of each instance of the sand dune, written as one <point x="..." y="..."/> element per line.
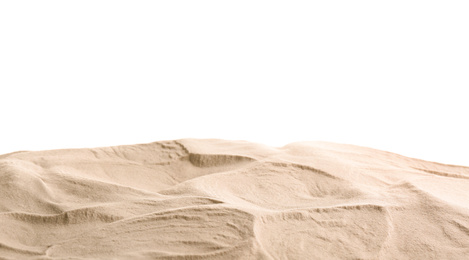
<point x="216" y="199"/>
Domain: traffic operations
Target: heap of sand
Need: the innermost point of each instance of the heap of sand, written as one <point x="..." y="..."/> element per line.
<point x="216" y="199"/>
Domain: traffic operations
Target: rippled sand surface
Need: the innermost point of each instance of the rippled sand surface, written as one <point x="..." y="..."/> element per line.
<point x="217" y="199"/>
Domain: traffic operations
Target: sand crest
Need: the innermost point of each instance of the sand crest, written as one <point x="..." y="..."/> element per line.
<point x="217" y="199"/>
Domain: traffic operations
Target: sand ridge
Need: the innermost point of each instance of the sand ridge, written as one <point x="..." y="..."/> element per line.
<point x="219" y="199"/>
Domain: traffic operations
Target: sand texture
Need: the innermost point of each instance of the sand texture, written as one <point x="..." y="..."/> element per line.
<point x="216" y="199"/>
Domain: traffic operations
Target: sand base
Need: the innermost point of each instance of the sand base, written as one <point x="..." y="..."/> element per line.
<point x="215" y="199"/>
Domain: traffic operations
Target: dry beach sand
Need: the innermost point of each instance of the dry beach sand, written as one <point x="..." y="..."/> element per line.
<point x="216" y="199"/>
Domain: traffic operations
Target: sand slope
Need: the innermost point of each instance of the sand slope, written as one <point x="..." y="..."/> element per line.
<point x="216" y="199"/>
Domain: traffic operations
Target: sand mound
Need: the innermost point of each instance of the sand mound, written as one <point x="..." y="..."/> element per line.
<point x="215" y="199"/>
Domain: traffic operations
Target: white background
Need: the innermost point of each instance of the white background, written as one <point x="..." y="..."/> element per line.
<point x="390" y="75"/>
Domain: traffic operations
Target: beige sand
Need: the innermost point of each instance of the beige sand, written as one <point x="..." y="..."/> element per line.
<point x="215" y="199"/>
